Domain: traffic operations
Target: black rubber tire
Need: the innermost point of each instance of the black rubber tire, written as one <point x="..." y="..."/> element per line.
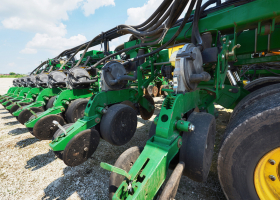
<point x="252" y="133"/>
<point x="9" y="103"/>
<point x="76" y="110"/>
<point x="152" y="130"/>
<point x="255" y="96"/>
<point x="50" y="102"/>
<point x="143" y="112"/>
<point x="44" y="128"/>
<point x="59" y="154"/>
<point x="25" y="115"/>
<point x="198" y="146"/>
<point x="119" y="124"/>
<point x="150" y="90"/>
<point x="261" y="82"/>
<point x="16" y="107"/>
<point x="125" y="162"/>
<point x="32" y="117"/>
<point x="74" y="153"/>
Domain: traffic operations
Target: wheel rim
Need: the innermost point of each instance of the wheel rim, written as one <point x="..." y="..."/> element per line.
<point x="267" y="176"/>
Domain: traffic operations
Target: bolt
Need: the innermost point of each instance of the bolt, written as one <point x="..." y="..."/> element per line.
<point x="141" y="68"/>
<point x="104" y="111"/>
<point x="272" y="177"/>
<point x="224" y="39"/>
<point x="213" y="45"/>
<point x="229" y="66"/>
<point x="179" y="144"/>
<point x="229" y="42"/>
<point x="191" y="127"/>
<point x="86" y="149"/>
<point x="223" y="86"/>
<point x="230" y="90"/>
<point x="181" y="122"/>
<point x="51" y="128"/>
<point x="272" y="162"/>
<point x="228" y="45"/>
<point x="143" y="87"/>
<point x="223" y="56"/>
<point x="123" y="125"/>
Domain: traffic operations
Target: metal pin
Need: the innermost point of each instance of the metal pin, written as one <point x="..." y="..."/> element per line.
<point x="59" y="126"/>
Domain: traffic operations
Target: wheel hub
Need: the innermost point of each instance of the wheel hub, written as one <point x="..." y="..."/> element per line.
<point x="267" y="176"/>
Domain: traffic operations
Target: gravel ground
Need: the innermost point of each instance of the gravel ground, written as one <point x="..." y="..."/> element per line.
<point x="30" y="170"/>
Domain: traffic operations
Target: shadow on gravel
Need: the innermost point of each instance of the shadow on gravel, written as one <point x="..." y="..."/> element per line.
<point x="4" y="112"/>
<point x="40" y="161"/>
<point x="12" y="123"/>
<point x="26" y="142"/>
<point x="18" y="131"/>
<point x="81" y="182"/>
<point x="8" y="117"/>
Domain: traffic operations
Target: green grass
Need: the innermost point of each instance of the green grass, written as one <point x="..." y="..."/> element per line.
<point x="11" y="76"/>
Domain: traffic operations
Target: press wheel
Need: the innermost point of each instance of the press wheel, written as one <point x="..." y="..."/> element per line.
<point x="44" y="128"/>
<point x="50" y="102"/>
<point x="32" y="117"/>
<point x="198" y="146"/>
<point x="119" y="124"/>
<point x="76" y="110"/>
<point x="81" y="147"/>
<point x="125" y="162"/>
<point x="143" y="112"/>
<point x="24" y="115"/>
<point x="150" y="90"/>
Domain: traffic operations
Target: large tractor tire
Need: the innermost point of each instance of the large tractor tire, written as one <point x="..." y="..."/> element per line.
<point x="261" y="82"/>
<point x="255" y="96"/>
<point x="249" y="158"/>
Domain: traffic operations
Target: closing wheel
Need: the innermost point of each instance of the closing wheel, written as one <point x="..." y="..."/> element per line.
<point x="155" y="91"/>
<point x="59" y="154"/>
<point x="255" y="96"/>
<point x="44" y="128"/>
<point x="15" y="107"/>
<point x="10" y="102"/>
<point x="198" y="146"/>
<point x="125" y="162"/>
<point x="143" y="112"/>
<point x="76" y="110"/>
<point x="248" y="161"/>
<point x="26" y="114"/>
<point x="119" y="124"/>
<point x="81" y="147"/>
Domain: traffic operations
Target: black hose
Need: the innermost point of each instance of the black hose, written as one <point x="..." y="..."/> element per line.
<point x="196" y="38"/>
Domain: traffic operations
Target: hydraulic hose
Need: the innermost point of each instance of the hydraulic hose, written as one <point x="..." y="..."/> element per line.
<point x="196" y="38"/>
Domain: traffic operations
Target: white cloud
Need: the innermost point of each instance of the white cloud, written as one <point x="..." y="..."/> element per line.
<point x="28" y="51"/>
<point x="44" y="19"/>
<point x="91" y="5"/>
<point x="42" y="16"/>
<point x="53" y="44"/>
<point x="140" y="14"/>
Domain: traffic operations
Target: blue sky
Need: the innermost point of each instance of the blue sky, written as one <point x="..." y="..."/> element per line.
<point x="32" y="31"/>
